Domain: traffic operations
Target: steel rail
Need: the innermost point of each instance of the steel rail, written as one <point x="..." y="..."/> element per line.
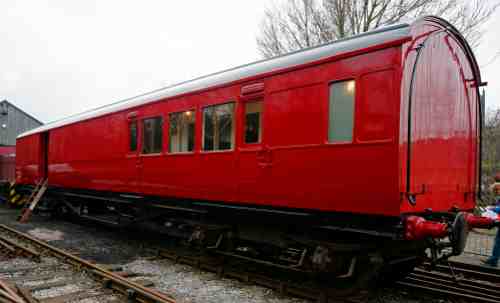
<point x="470" y="270"/>
<point x="461" y="287"/>
<point x="437" y="289"/>
<point x="13" y="246"/>
<point x="289" y="285"/>
<point x="457" y="279"/>
<point x="484" y="269"/>
<point x="132" y="289"/>
<point x="441" y="281"/>
<point x="470" y="284"/>
<point x="7" y="246"/>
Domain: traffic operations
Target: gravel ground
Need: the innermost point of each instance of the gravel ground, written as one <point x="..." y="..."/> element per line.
<point x="89" y="240"/>
<point x="48" y="270"/>
<point x="180" y="281"/>
<point x="186" y="284"/>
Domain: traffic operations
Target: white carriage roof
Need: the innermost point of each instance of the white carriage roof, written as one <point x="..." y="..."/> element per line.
<point x="371" y="38"/>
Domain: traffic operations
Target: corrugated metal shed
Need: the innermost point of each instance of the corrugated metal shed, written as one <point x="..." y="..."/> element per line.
<point x="14" y="121"/>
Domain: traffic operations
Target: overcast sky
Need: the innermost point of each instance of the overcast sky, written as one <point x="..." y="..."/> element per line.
<point x="61" y="57"/>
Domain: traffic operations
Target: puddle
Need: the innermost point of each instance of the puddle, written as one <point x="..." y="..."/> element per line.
<point x="46" y="234"/>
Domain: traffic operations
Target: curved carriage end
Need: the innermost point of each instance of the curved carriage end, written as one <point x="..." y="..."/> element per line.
<point x="441" y="120"/>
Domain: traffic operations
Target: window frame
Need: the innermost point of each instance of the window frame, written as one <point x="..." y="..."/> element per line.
<point x="234" y="126"/>
<point x="169" y="138"/>
<point x="244" y="121"/>
<point x="129" y="138"/>
<point x="354" y="112"/>
<point x="143" y="132"/>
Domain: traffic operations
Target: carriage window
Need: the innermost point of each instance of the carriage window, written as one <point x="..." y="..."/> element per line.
<point x="152" y="135"/>
<point x="341" y="111"/>
<point x="132" y="126"/>
<point x="253" y="122"/>
<point x="218" y="127"/>
<point x="181" y="132"/>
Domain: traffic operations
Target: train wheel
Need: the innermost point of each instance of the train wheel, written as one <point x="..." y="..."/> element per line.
<point x="356" y="284"/>
<point x="60" y="211"/>
<point x="392" y="273"/>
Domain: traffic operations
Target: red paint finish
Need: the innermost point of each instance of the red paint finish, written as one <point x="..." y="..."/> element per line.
<point x="294" y="165"/>
<point x="7" y="150"/>
<point x="7" y="163"/>
<point x="444" y="115"/>
<point x="28" y="159"/>
<point x="7" y="168"/>
<point x="417" y="228"/>
<point x="480" y="222"/>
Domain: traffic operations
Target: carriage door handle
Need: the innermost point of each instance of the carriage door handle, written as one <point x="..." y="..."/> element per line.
<point x="264" y="157"/>
<point x="261" y="154"/>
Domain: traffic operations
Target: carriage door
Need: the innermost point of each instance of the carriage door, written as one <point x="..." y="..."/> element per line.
<point x="44" y="156"/>
<point x="254" y="161"/>
<point x="133" y="171"/>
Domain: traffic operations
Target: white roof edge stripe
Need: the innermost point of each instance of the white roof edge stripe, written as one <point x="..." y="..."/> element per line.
<point x="372" y="38"/>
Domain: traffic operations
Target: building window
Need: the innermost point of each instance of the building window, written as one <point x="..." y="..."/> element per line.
<point x="253" y="122"/>
<point x="132" y="126"/>
<point x="218" y="127"/>
<point x="341" y="111"/>
<point x="181" y="132"/>
<point x="152" y="135"/>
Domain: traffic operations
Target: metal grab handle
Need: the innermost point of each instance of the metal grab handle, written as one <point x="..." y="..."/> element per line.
<point x="264" y="165"/>
<point x="264" y="157"/>
<point x="261" y="153"/>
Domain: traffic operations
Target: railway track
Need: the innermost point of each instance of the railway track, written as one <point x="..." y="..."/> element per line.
<point x="473" y="283"/>
<point x="286" y="283"/>
<point x="45" y="274"/>
<point x="51" y="270"/>
<point x="459" y="280"/>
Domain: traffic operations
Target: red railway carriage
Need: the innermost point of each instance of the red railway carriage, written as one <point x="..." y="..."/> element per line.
<point x="367" y="134"/>
<point x="346" y="154"/>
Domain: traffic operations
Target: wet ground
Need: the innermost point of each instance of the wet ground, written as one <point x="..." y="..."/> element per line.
<point x="92" y="241"/>
<point x="132" y="248"/>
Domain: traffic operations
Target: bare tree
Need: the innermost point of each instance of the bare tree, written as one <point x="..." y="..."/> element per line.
<point x="296" y="24"/>
<point x="491" y="143"/>
<point x="491" y="153"/>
